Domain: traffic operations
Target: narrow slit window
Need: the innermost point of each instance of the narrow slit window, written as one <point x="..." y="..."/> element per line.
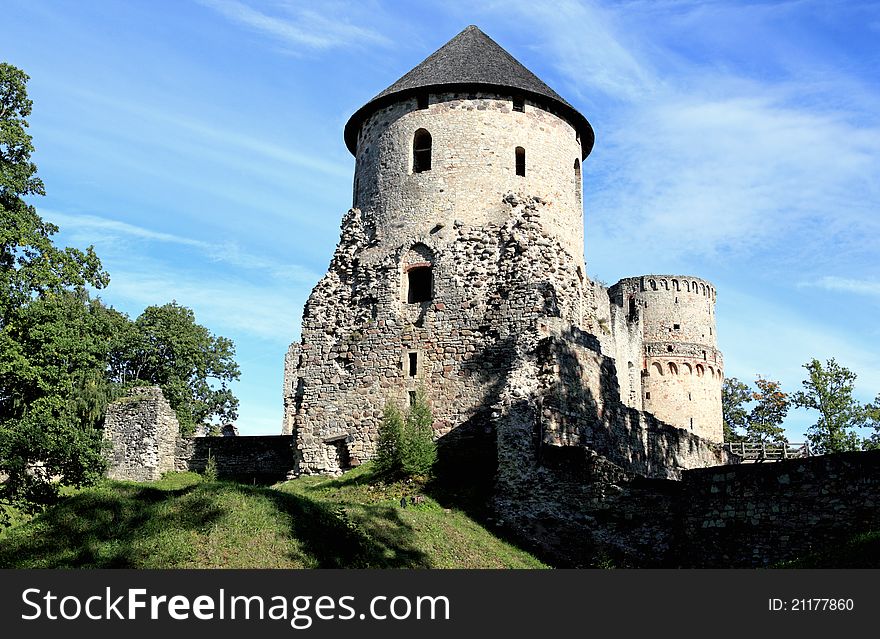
<point x="421" y="151"/>
<point x="648" y="395"/>
<point x="413" y="364"/>
<point x="412" y="398"/>
<point x="577" y="177"/>
<point x="520" y="161"/>
<point x="423" y="101"/>
<point x="519" y="104"/>
<point x="419" y="285"/>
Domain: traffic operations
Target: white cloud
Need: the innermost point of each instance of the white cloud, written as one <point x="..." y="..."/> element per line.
<point x="91" y="229"/>
<point x="305" y="28"/>
<point x="846" y="285"/>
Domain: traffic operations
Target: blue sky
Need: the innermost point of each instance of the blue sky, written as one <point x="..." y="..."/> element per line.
<point x="198" y="145"/>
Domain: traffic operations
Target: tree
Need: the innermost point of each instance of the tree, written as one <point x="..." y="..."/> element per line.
<point x="165" y="346"/>
<point x="760" y="423"/>
<point x="388" y="444"/>
<point x="418" y="448"/>
<point x="406" y="445"/>
<point x="872" y="414"/>
<point x="828" y="389"/>
<point x="734" y="394"/>
<point x="48" y="363"/>
<point x="765" y="419"/>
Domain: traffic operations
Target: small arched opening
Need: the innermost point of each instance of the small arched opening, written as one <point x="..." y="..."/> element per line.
<point x="421" y="151"/>
<point x="520" y="161"/>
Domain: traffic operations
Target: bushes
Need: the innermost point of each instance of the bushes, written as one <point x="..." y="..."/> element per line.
<point x="406" y="445"/>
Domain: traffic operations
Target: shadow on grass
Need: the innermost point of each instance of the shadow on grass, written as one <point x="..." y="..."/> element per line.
<point x="102" y="527"/>
<point x="120" y="525"/>
<point x="336" y="536"/>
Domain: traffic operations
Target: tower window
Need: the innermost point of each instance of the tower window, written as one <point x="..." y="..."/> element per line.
<point x="648" y="395"/>
<point x="413" y="364"/>
<point x="676" y="326"/>
<point x="520" y="161"/>
<point x="577" y="177"/>
<point x="423" y="101"/>
<point x="419" y="285"/>
<point x="519" y="103"/>
<point x="421" y="151"/>
<point x="412" y="398"/>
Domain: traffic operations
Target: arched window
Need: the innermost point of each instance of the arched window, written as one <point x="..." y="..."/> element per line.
<point x="520" y="161"/>
<point x="421" y="151"/>
<point x="700" y="370"/>
<point x="419" y="285"/>
<point x="577" y="177"/>
<point x="656" y="369"/>
<point x="673" y="368"/>
<point x="418" y="282"/>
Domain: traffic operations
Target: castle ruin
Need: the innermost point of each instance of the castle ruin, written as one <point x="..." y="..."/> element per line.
<point x="460" y="269"/>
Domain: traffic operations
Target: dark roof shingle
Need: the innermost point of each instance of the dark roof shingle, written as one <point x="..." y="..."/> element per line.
<point x="471" y="60"/>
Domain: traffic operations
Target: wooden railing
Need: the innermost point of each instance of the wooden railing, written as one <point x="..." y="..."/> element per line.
<point x="760" y="452"/>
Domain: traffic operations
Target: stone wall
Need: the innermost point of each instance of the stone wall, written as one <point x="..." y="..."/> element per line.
<point x="474" y="138"/>
<point x="142" y="430"/>
<point x="490" y="285"/>
<point x="580" y="509"/>
<point x="253" y="458"/>
<point x="753" y="514"/>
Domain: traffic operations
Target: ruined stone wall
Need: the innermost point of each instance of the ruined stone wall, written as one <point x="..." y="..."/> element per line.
<point x="580" y="509"/>
<point x="490" y="284"/>
<point x="755" y="514"/>
<point x="142" y="430"/>
<point x="259" y="458"/>
<point x="474" y="138"/>
<point x="682" y="370"/>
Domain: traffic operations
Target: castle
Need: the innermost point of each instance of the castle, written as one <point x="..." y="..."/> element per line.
<point x="587" y="419"/>
<point x="460" y="270"/>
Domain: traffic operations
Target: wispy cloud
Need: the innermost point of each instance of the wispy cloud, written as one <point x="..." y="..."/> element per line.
<point x="91" y="229"/>
<point x="304" y="28"/>
<point x="860" y="287"/>
<point x="704" y="158"/>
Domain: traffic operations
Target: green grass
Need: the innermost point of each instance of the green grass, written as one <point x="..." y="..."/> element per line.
<point x="184" y="521"/>
<point x="862" y="551"/>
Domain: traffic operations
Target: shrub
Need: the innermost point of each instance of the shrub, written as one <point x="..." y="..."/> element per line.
<point x="418" y="448"/>
<point x="210" y="473"/>
<point x="406" y="444"/>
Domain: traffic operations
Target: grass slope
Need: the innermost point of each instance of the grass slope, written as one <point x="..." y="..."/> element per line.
<point x="183" y="521"/>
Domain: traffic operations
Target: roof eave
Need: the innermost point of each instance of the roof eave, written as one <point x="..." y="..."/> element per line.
<point x="574" y="117"/>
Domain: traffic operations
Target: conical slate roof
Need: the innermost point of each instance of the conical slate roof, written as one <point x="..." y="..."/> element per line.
<point x="472" y="60"/>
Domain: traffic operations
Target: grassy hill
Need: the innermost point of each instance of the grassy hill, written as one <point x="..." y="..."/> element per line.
<point x="184" y="521"/>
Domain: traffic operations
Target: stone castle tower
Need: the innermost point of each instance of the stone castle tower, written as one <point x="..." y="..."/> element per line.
<point x="460" y="270"/>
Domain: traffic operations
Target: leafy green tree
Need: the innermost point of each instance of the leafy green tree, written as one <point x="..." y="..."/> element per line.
<point x="765" y="418"/>
<point x="872" y="414"/>
<point x="734" y="395"/>
<point x="165" y="346"/>
<point x="387" y="458"/>
<point x="418" y="448"/>
<point x="828" y="389"/>
<point x="406" y="444"/>
<point x="50" y="370"/>
<point x="30" y="264"/>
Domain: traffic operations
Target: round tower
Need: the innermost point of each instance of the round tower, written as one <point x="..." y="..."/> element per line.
<point x="682" y="369"/>
<point x="453" y="136"/>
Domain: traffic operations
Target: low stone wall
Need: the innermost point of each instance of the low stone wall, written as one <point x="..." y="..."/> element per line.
<point x="754" y="514"/>
<point x="264" y="459"/>
<point x="578" y="508"/>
